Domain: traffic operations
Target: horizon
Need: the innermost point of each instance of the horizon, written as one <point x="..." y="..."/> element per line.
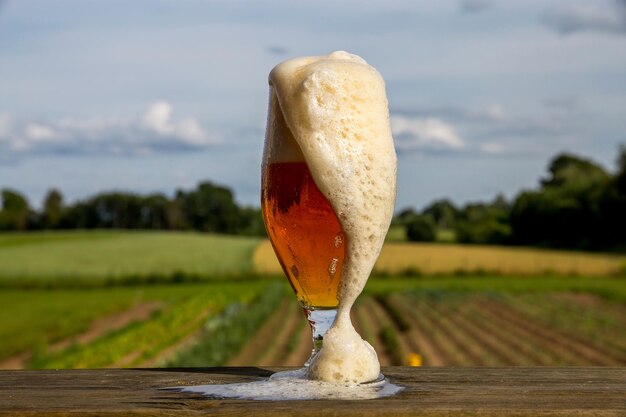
<point x="397" y="210"/>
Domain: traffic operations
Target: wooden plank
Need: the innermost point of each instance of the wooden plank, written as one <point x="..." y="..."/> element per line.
<point x="428" y="392"/>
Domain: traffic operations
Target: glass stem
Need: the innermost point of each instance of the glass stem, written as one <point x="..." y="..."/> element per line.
<point x="320" y="321"/>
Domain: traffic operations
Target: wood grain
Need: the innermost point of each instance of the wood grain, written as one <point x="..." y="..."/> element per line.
<point x="434" y="391"/>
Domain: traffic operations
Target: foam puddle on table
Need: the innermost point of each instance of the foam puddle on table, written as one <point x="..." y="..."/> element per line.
<point x="292" y="385"/>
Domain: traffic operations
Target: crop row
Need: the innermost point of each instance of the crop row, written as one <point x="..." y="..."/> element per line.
<point x="258" y="323"/>
<point x="454" y="330"/>
<point x="142" y="341"/>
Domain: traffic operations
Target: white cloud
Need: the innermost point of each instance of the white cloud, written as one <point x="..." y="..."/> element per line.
<point x="154" y="131"/>
<point x="600" y="16"/>
<point x="39" y="133"/>
<point x="426" y="134"/>
<point x="491" y="130"/>
<point x="158" y="118"/>
<point x="507" y="147"/>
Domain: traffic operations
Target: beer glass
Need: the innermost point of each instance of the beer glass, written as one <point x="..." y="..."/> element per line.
<point x="302" y="226"/>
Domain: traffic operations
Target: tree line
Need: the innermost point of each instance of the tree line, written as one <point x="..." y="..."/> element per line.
<point x="207" y="208"/>
<point x="578" y="205"/>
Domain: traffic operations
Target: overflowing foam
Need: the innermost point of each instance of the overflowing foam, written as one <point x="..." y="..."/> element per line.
<point x="293" y="385"/>
<point x="332" y="112"/>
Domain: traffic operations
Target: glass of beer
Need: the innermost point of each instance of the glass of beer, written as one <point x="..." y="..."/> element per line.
<point x="302" y="226"/>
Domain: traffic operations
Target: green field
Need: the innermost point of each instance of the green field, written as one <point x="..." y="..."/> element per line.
<point x="95" y="257"/>
<point x="36" y="320"/>
<point x="610" y="288"/>
<point x="125" y="299"/>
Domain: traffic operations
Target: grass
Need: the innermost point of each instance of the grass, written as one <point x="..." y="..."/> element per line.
<point x="33" y="319"/>
<point x="440" y="259"/>
<point x="104" y="256"/>
<point x="142" y="341"/>
<point x="613" y="289"/>
<point x="446" y="236"/>
<point x="222" y="314"/>
<point x="225" y="315"/>
<point x="225" y="334"/>
<point x="9" y="239"/>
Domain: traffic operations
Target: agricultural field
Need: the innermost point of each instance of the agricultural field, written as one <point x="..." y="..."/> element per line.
<point x="473" y="323"/>
<point x="109" y="257"/>
<point x="120" y="326"/>
<point x="125" y="299"/>
<point x="442" y="259"/>
<point x="90" y="258"/>
<point x="450" y="321"/>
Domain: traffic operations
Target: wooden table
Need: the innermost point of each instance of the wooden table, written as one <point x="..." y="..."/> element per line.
<point x="428" y="392"/>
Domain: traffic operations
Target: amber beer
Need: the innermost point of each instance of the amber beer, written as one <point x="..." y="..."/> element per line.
<point x="305" y="232"/>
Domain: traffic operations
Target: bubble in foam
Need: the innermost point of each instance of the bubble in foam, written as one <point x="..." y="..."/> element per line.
<point x="293" y="385"/>
<point x="345" y="358"/>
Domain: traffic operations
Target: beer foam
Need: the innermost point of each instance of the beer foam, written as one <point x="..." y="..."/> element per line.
<point x="345" y="358"/>
<point x="292" y="385"/>
<point x="335" y="109"/>
<point x="280" y="145"/>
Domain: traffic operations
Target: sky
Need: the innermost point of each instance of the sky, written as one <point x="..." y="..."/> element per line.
<point x="153" y="95"/>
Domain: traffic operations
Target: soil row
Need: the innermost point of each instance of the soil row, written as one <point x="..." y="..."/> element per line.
<point x="468" y="330"/>
<point x="408" y="329"/>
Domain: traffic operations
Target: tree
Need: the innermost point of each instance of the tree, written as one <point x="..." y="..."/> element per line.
<point x="612" y="206"/>
<point x="15" y="211"/>
<point x="484" y="222"/>
<point x="570" y="170"/>
<point x="620" y="178"/>
<point x="252" y="222"/>
<point x="175" y="212"/>
<point x="118" y="210"/>
<point x="211" y="208"/>
<point x="154" y="212"/>
<point x="403" y="217"/>
<point x="421" y="229"/>
<point x="567" y="211"/>
<point x="81" y="215"/>
<point x="444" y="212"/>
<point x="52" y="208"/>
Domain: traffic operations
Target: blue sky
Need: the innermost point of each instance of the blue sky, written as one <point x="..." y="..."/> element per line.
<point x="151" y="95"/>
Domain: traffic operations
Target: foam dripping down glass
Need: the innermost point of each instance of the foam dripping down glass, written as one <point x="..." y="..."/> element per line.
<point x="328" y="190"/>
